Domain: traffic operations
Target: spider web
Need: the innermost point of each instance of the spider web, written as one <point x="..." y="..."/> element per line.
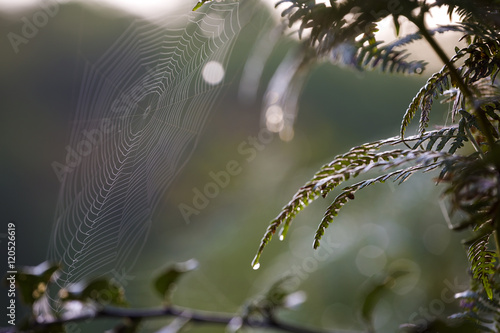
<point x="140" y="110"/>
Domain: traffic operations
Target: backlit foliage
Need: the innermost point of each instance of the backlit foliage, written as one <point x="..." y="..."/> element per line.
<point x="466" y="152"/>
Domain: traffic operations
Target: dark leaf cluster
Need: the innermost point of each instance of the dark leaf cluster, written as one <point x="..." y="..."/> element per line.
<point x="465" y="154"/>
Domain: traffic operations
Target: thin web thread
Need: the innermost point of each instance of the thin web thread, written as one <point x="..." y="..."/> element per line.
<point x="141" y="108"/>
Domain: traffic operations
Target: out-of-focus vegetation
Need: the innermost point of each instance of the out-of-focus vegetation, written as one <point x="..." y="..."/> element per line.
<point x="386" y="229"/>
<point x="345" y="33"/>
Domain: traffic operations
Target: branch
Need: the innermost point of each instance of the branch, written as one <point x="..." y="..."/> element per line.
<point x="464" y="89"/>
<point x="195" y="316"/>
<point x="469" y="96"/>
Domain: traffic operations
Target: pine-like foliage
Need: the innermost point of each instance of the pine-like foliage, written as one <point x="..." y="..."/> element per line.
<point x="344" y="32"/>
<point x="482" y="263"/>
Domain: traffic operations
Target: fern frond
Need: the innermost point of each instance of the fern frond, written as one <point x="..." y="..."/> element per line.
<point x="481" y="218"/>
<point x="349" y="192"/>
<point x="480" y="308"/>
<point x="473" y="188"/>
<point x="330" y="175"/>
<point x="334" y="32"/>
<point x="371" y="54"/>
<point x="481" y="60"/>
<point x="482" y="263"/>
<point x="438" y="139"/>
<point x="480" y="324"/>
<point x="358" y="160"/>
<point x="437" y="83"/>
<point x="444" y="135"/>
<point x="411" y="38"/>
<point x="460" y="138"/>
<point x="390" y="57"/>
<point x="477" y="11"/>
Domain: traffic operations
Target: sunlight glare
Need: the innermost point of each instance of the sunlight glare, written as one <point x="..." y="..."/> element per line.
<point x="142" y="8"/>
<point x="213" y="72"/>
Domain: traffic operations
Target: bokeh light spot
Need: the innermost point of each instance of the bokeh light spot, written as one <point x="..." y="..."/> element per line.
<point x="213" y="72"/>
<point x="370" y="260"/>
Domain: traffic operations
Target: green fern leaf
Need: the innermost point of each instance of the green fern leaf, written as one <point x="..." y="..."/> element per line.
<point x="358" y="160"/>
<point x="349" y="192"/>
<point x="482" y="263"/>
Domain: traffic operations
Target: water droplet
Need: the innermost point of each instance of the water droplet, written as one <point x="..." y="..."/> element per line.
<point x="282" y="237"/>
<point x="256" y="266"/>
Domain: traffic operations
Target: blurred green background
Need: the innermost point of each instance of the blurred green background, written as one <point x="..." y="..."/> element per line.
<point x="386" y="225"/>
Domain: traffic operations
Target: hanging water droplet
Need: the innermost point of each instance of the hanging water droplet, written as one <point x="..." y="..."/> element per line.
<point x="256" y="266"/>
<point x="282" y="237"/>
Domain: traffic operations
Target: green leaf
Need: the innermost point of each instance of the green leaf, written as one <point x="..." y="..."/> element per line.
<point x="482" y="263"/>
<point x="425" y="160"/>
<point x="359" y="160"/>
<point x="261" y="309"/>
<point x="200" y="3"/>
<point x="281" y="292"/>
<point x="32" y="281"/>
<point x="100" y="290"/>
<point x="374" y="293"/>
<point x="166" y="280"/>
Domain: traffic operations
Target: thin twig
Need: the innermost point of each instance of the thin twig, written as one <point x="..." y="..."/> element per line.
<point x="191" y="315"/>
<point x="469" y="96"/>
